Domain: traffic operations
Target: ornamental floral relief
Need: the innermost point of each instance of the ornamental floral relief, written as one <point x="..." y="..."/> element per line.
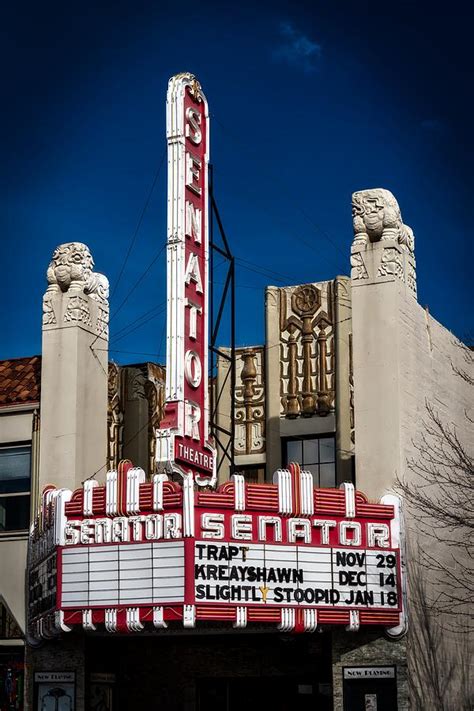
<point x="102" y="325"/>
<point x="307" y="370"/>
<point x="411" y="275"/>
<point x="358" y="270"/>
<point x="250" y="402"/>
<point x="391" y="264"/>
<point x="78" y="310"/>
<point x="49" y="317"/>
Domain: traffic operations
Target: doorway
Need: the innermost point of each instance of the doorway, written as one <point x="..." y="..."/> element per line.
<point x="370" y="689"/>
<point x="256" y="693"/>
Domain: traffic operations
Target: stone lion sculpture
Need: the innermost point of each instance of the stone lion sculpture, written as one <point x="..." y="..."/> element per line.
<point x="376" y="216"/>
<point x="71" y="270"/>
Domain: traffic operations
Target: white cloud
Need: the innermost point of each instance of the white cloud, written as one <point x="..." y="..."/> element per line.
<point x="297" y="49"/>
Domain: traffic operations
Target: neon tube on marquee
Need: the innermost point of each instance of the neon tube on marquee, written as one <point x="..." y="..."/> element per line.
<point x="135" y="555"/>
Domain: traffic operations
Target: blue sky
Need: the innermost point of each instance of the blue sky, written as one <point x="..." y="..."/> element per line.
<point x="309" y="102"/>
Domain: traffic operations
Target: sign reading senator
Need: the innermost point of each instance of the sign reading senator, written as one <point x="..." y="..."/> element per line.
<point x="183" y="437"/>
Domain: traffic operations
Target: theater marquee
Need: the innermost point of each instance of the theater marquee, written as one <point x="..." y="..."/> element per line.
<point x="136" y="555"/>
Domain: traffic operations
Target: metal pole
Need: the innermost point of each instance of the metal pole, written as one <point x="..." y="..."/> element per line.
<point x="211" y="310"/>
<point x="232" y="366"/>
<point x="215" y="317"/>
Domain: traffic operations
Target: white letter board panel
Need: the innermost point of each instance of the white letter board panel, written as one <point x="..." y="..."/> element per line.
<point x="122" y="574"/>
<point x="295" y="575"/>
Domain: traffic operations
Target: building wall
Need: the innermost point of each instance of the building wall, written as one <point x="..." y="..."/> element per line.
<point x="74" y="385"/>
<point x="404" y="362"/>
<point x="16" y="426"/>
<point x="12" y="578"/>
<point x="429" y="358"/>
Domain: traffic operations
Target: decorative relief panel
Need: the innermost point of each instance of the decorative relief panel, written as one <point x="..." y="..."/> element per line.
<point x="250" y="402"/>
<point x="391" y="263"/>
<point x="351" y="391"/>
<point x="155" y="391"/>
<point x="411" y="275"/>
<point x="78" y="310"/>
<point x="49" y="317"/>
<point x="307" y="364"/>
<point x="102" y="325"/>
<point x="114" y="417"/>
<point x="358" y="270"/>
<point x="134" y="383"/>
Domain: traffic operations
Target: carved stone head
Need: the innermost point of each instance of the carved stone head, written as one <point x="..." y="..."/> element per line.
<point x="71" y="266"/>
<point x="376" y="215"/>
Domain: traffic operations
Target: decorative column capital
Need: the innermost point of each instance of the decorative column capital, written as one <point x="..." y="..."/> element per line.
<point x="76" y="295"/>
<point x="383" y="246"/>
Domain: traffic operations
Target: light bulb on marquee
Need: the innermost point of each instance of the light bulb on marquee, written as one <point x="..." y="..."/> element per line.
<point x="183" y="442"/>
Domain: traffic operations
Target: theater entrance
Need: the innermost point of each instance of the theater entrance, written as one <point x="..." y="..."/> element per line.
<point x="277" y="693"/>
<point x="211" y="672"/>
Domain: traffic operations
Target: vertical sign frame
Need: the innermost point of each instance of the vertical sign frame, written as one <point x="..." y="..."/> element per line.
<point x="183" y="443"/>
<point x="57" y="687"/>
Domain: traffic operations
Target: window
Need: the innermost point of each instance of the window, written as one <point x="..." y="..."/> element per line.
<point x="8" y="627"/>
<point x="315" y="454"/>
<point x="15" y="474"/>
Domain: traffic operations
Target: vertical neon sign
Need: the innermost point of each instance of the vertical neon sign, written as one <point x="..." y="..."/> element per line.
<point x="183" y="439"/>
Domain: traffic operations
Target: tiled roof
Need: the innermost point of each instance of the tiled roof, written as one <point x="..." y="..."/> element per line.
<point x="20" y="380"/>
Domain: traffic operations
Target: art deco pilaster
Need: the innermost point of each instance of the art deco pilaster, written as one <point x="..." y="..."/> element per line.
<point x="73" y="438"/>
<point x="384" y="305"/>
<point x="383" y="249"/>
<point x="250" y="403"/>
<point x="344" y="380"/>
<point x="155" y="394"/>
<point x="114" y="417"/>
